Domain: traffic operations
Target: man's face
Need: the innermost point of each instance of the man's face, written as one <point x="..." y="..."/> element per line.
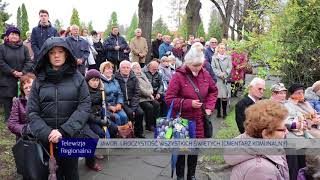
<point x="74" y="31"/>
<point x="257" y="90"/>
<point x="115" y="31"/>
<point x="213" y="43"/>
<point x="44" y="17"/>
<point x="125" y="69"/>
<point x="191" y="38"/>
<point x="138" y="33"/>
<point x="159" y="36"/>
<point x="153" y="68"/>
<point x="167" y="39"/>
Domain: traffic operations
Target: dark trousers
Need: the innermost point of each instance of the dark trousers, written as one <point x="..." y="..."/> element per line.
<point x="221" y="103"/>
<point x="152" y="111"/>
<point x="68" y="169"/>
<point x="163" y="107"/>
<point x="191" y="162"/>
<point x="7" y="105"/>
<point x="137" y="118"/>
<point x="142" y="65"/>
<point x="295" y="162"/>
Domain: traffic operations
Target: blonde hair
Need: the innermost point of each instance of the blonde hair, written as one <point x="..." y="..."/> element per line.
<point x="195" y="55"/>
<point x="218" y="47"/>
<point x="105" y="64"/>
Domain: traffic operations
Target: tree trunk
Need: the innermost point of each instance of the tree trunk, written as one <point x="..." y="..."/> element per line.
<point x="193" y="16"/>
<point x="225" y="17"/>
<point x="236" y="18"/>
<point x="240" y="20"/>
<point x="145" y="13"/>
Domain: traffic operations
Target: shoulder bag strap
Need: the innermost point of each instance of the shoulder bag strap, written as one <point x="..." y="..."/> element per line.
<point x="196" y="89"/>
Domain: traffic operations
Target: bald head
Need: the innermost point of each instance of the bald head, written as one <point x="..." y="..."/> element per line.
<point x="153" y="67"/>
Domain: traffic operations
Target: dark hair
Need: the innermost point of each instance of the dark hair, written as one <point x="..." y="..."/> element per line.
<point x="93" y="33"/>
<point x="114" y="27"/>
<point x="43" y="11"/>
<point x="62" y="31"/>
<point x="24" y="80"/>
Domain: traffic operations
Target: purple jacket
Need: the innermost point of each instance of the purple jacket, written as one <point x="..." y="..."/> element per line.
<point x="250" y="164"/>
<point x="18" y="116"/>
<point x="180" y="88"/>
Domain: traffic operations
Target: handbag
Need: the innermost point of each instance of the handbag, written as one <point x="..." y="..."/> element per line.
<point x="207" y="125"/>
<point x="166" y="126"/>
<point x="227" y="79"/>
<point x="31" y="158"/>
<point x="126" y="131"/>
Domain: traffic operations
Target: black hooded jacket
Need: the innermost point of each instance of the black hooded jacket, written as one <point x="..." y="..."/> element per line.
<point x="58" y="99"/>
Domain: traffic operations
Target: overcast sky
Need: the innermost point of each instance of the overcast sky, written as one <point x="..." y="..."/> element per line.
<point x="98" y="11"/>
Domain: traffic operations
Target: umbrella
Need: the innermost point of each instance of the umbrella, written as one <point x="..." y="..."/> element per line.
<point x="52" y="165"/>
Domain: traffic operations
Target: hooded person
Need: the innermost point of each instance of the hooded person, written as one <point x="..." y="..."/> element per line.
<point x="59" y="102"/>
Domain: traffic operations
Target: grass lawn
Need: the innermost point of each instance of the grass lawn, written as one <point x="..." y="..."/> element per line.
<point x="7" y="140"/>
<point x="228" y="130"/>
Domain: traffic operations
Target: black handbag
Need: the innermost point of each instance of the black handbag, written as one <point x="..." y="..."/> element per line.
<point x="31" y="158"/>
<point x="207" y="125"/>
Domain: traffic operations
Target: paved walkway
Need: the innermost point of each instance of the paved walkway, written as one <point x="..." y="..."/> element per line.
<point x="149" y="167"/>
<point x="133" y="167"/>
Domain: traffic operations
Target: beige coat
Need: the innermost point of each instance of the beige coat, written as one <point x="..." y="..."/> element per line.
<point x="146" y="89"/>
<point x="139" y="45"/>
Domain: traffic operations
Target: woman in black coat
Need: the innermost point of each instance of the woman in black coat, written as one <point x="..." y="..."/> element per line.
<point x="59" y="103"/>
<point x="14" y="62"/>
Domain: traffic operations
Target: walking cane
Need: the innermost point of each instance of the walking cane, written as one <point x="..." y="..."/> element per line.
<point x="52" y="164"/>
<point x="104" y="106"/>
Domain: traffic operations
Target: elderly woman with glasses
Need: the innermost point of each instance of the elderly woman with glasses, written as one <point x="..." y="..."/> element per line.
<point x="264" y="120"/>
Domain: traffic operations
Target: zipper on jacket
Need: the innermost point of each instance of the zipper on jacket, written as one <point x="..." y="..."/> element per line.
<point x="56" y="106"/>
<point x="125" y="83"/>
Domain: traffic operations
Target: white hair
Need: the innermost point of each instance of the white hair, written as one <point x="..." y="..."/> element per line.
<point x="256" y="81"/>
<point x="195" y="55"/>
<point x="124" y="62"/>
<point x="134" y="64"/>
<point x="138" y="29"/>
<point x="74" y="26"/>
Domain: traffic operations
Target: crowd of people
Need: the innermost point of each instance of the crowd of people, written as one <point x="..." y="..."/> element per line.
<point x="66" y="76"/>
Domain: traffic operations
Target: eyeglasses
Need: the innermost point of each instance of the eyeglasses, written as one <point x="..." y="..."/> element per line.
<point x="282" y="130"/>
<point x="213" y="42"/>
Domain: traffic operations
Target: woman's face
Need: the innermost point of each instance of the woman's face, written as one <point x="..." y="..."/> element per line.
<point x="195" y="68"/>
<point x="221" y="49"/>
<point x="108" y="71"/>
<point x="136" y="69"/>
<point x="57" y="57"/>
<point x="94" y="83"/>
<point x="14" y="37"/>
<point x="165" y="62"/>
<point x="85" y="33"/>
<point x="279" y="132"/>
<point x="27" y="88"/>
